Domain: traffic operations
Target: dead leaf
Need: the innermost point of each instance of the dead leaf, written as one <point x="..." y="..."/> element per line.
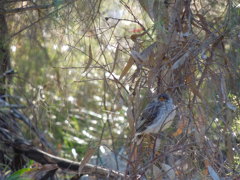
<point x="127" y="67"/>
<point x="147" y="52"/>
<point x="151" y="77"/>
<point x="201" y="123"/>
<point x="195" y="91"/>
<point x="180" y="61"/>
<point x="223" y="88"/>
<point x="205" y="171"/>
<point x="137" y="57"/>
<point x="148" y="7"/>
<point x="145" y="57"/>
<point x="182" y="123"/>
<point x="90" y="59"/>
<point x="164" y="169"/>
<point x="115" y="57"/>
<point x="190" y="81"/>
<point x="178" y="132"/>
<point x="135" y="36"/>
<point x="86" y="158"/>
<point x="130" y="119"/>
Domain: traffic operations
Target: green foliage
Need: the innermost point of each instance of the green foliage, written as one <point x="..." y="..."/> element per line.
<point x="18" y="175"/>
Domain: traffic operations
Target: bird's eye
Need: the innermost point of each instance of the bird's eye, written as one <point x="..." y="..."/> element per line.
<point x="162" y="98"/>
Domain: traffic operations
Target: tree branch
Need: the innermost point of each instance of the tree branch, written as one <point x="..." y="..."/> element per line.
<point x="17" y="10"/>
<point x="21" y="146"/>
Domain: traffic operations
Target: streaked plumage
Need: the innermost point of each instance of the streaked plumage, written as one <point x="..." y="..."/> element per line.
<point x="156" y="116"/>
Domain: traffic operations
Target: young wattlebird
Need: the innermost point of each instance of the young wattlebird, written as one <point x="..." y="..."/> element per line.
<point x="157" y="115"/>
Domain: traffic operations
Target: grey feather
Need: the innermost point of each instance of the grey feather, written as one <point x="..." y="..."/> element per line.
<point x="156" y="116"/>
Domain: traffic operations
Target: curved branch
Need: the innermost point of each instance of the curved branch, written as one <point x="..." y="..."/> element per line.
<point x="21" y="146"/>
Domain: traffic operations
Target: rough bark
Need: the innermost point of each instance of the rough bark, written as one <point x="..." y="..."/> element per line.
<point x="4" y="52"/>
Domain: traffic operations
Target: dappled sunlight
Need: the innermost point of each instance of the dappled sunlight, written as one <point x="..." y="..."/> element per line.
<point x="78" y="140"/>
<point x="81" y="80"/>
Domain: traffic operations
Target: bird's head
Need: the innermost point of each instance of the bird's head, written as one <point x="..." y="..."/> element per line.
<point x="163" y="97"/>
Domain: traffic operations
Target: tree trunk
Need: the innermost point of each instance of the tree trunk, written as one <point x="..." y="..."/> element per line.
<point x="4" y="52"/>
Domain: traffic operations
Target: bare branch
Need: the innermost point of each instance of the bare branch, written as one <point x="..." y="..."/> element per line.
<point x="42" y="157"/>
<point x="17" y="10"/>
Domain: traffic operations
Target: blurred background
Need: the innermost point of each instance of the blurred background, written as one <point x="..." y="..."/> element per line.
<point x="82" y="71"/>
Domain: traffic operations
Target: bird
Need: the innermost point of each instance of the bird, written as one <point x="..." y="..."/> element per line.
<point x="157" y="115"/>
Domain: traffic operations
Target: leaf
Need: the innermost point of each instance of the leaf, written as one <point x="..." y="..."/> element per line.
<point x="195" y="90"/>
<point x="86" y="158"/>
<point x="147" y="52"/>
<point x="189" y="80"/>
<point x="146" y="55"/>
<point x="127" y="67"/>
<point x="151" y="77"/>
<point x="17" y="175"/>
<point x="162" y="168"/>
<point x="213" y="173"/>
<point x="41" y="172"/>
<point x="57" y="3"/>
<point x="178" y="132"/>
<point x="180" y="61"/>
<point x="130" y="118"/>
<point x="115" y="57"/>
<point x="231" y="106"/>
<point x="223" y="88"/>
<point x="201" y="122"/>
<point x="137" y="57"/>
<point x="90" y="59"/>
<point x="148" y="7"/>
<point x="169" y="170"/>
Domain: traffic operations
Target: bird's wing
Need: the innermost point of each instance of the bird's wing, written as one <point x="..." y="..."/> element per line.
<point x="148" y="115"/>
